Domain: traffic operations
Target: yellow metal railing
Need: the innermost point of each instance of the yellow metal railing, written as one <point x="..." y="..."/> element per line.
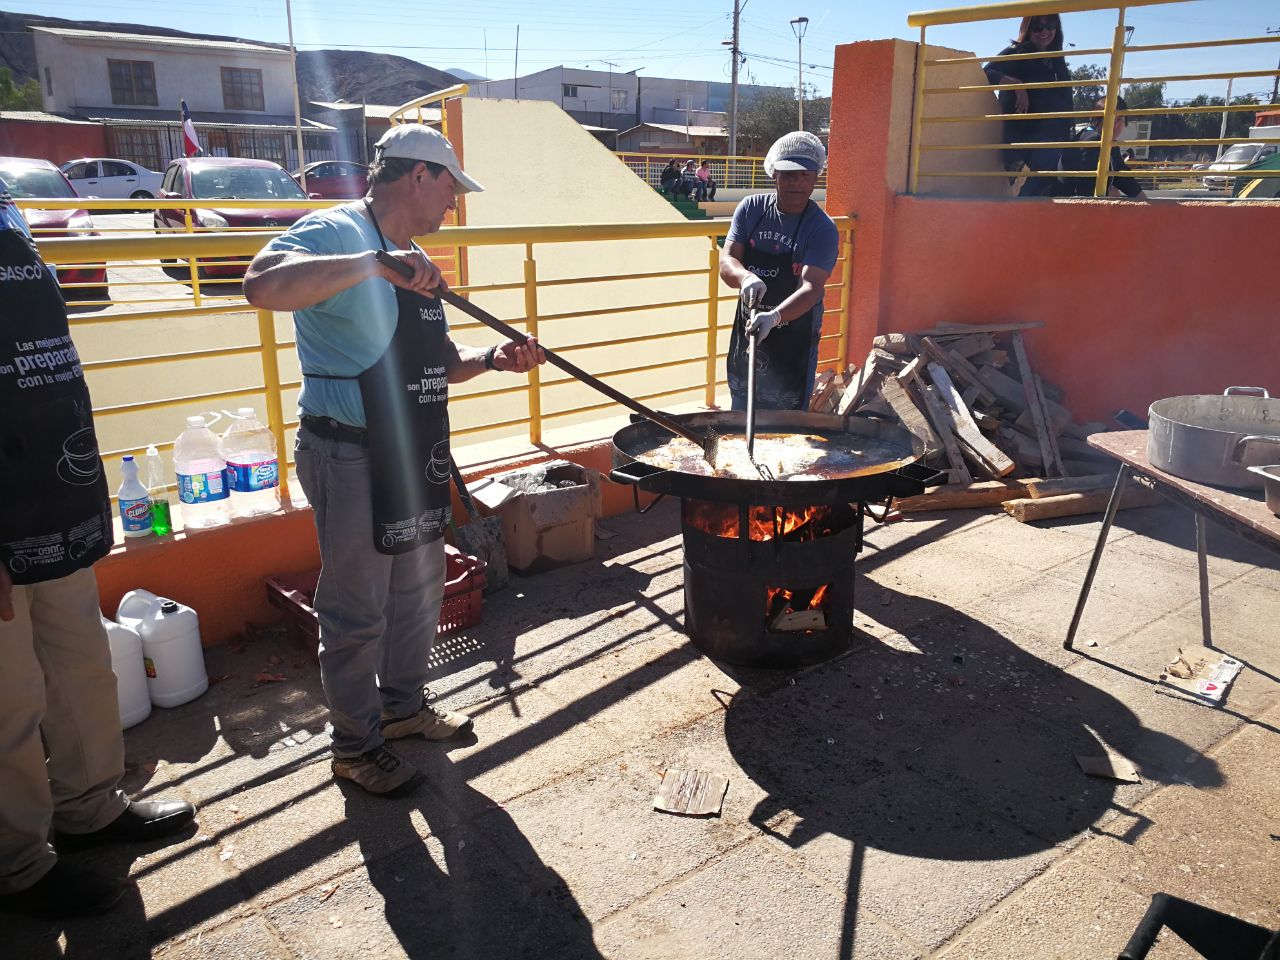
<point x="691" y="319"/>
<point x="923" y="120"/>
<point x="729" y="173"/>
<point x="411" y="112"/>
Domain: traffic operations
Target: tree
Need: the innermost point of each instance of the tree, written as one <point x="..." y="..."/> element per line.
<point x="1085" y="97"/>
<point x="770" y="114"/>
<point x="18" y="97"/>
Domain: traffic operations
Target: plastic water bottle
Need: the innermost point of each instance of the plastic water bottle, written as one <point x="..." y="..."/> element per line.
<point x="253" y="471"/>
<point x="135" y="505"/>
<point x="161" y="524"/>
<point x="202" y="487"/>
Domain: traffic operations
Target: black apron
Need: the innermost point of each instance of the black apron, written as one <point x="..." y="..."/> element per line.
<point x="55" y="510"/>
<point x="782" y="360"/>
<point x="405" y="395"/>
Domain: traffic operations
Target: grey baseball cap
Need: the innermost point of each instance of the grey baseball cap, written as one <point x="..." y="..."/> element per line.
<point x="798" y="150"/>
<point x="414" y="141"/>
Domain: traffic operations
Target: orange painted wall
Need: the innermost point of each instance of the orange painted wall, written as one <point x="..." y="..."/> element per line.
<point x="1140" y="301"/>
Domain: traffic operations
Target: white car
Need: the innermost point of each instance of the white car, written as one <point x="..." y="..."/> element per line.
<point x="1236" y="158"/>
<point x="112" y="179"/>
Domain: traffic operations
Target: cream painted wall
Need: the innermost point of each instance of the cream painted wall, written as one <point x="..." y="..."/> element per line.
<point x="538" y="166"/>
<point x="953" y="134"/>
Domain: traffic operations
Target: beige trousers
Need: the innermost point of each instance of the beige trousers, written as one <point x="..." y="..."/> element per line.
<point x="61" y="749"/>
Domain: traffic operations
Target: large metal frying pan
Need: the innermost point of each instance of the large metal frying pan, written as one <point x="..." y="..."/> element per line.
<point x="637" y="460"/>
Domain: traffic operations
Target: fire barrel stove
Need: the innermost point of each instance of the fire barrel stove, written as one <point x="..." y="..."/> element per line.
<point x="768" y="565"/>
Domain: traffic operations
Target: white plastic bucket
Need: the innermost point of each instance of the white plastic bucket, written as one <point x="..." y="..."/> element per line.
<point x="172" y="655"/>
<point x="131" y="675"/>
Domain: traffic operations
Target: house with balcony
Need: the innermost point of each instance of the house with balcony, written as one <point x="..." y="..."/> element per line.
<point x="240" y="94"/>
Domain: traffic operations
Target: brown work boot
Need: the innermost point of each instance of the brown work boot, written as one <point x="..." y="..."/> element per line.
<point x="379" y="771"/>
<point x="430" y="722"/>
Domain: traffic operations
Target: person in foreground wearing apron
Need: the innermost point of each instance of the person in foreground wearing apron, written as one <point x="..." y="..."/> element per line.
<point x="61" y="748"/>
<point x="372" y="448"/>
<point x="780" y="249"/>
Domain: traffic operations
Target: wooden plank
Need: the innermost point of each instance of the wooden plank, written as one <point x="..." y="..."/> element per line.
<point x="970" y="345"/>
<point x="1038" y="487"/>
<point x="1054" y="452"/>
<point x="860" y="388"/>
<point x="1033" y="404"/>
<point x="1078" y="504"/>
<point x="1022" y="448"/>
<point x="951" y="329"/>
<point x="1079" y="449"/>
<point x="959" y="367"/>
<point x="897" y="343"/>
<point x="990" y="457"/>
<point x="913" y="419"/>
<point x="990" y="358"/>
<point x="938" y="417"/>
<point x="963" y="496"/>
<point x="820" y="386"/>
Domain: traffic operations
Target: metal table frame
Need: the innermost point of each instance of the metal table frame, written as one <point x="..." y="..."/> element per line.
<point x="1224" y="507"/>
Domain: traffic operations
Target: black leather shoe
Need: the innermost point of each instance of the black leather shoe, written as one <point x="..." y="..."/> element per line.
<point x="142" y="820"/>
<point x="65" y="891"/>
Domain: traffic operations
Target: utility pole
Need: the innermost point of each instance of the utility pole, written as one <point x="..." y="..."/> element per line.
<point x="733" y="81"/>
<point x="297" y="98"/>
<point x="798" y="26"/>
<point x="1275" y="86"/>
<point x="1222" y="132"/>
<point x="515" y="80"/>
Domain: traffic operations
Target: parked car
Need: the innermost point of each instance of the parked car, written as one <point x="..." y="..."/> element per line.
<point x="112" y="179"/>
<point x="335" y="180"/>
<point x="37" y="179"/>
<point x="223" y="179"/>
<point x="1237" y="157"/>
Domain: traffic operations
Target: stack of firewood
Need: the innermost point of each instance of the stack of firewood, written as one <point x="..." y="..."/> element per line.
<point x="984" y="415"/>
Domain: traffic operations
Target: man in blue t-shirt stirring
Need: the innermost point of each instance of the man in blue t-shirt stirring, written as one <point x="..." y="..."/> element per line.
<point x="779" y="252"/>
<point x="372" y="450"/>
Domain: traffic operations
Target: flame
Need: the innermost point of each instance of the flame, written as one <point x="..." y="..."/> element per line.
<point x="721" y="520"/>
<point x="780" y="599"/>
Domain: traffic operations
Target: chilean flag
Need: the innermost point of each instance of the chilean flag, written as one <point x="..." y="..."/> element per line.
<point x="190" y="142"/>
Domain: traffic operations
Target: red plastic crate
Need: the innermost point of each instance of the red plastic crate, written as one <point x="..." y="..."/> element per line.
<point x="294" y="594"/>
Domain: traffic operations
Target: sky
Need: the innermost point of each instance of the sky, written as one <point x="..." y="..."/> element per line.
<point x="677" y="38"/>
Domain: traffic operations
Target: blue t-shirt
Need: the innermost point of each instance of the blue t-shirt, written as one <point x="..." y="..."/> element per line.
<point x="757" y="223"/>
<point x="346" y="334"/>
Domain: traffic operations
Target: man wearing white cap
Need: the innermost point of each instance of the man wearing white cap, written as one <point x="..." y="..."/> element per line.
<point x="779" y="252"/>
<point x="372" y="448"/>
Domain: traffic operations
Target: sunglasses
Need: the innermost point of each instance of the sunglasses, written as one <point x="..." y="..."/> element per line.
<point x="1040" y="26"/>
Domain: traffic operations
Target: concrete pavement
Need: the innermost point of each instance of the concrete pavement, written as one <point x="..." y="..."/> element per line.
<point x="916" y="797"/>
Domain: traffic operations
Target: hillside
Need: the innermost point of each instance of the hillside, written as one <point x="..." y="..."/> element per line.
<point x="350" y="75"/>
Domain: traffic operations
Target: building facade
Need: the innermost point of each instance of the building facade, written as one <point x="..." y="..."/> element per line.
<point x="240" y="95"/>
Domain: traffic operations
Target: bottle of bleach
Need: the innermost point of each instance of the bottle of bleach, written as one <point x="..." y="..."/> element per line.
<point x="135" y="504"/>
<point x="253" y="472"/>
<point x="131" y="675"/>
<point x="171" y="649"/>
<point x="201" y="476"/>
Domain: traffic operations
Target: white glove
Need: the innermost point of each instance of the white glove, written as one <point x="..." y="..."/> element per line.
<point x="762" y="323"/>
<point x="752" y="290"/>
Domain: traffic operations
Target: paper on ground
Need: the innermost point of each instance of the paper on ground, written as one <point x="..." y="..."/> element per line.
<point x="694" y="793"/>
<point x="1205" y="675"/>
<point x="1113" y="766"/>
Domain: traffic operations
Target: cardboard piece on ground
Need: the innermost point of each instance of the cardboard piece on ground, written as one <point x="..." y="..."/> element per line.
<point x="543" y="527"/>
<point x="691" y="793"/>
<point x="1112" y="766"/>
<point x="1203" y="674"/>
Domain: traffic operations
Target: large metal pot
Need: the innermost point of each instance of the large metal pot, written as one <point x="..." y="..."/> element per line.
<point x="1214" y="440"/>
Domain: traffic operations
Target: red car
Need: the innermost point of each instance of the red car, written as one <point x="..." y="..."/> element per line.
<point x="26" y="179"/>
<point x="335" y="180"/>
<point x="225" y="179"/>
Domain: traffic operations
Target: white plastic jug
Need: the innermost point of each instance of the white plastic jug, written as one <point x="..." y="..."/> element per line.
<point x="171" y="649"/>
<point x="131" y="674"/>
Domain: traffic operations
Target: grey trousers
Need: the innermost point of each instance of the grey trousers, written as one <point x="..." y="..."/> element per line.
<point x="378" y="613"/>
<point x="61" y="750"/>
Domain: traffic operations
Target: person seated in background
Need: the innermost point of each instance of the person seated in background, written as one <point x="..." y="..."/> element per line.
<point x="1084" y="158"/>
<point x="1040" y="34"/>
<point x="670" y="178"/>
<point x="706" y="183"/>
<point x="688" y="181"/>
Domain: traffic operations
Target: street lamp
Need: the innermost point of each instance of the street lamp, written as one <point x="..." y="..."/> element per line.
<point x="798" y="26"/>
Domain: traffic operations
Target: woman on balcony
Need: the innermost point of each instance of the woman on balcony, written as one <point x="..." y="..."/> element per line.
<point x="1042" y="34"/>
